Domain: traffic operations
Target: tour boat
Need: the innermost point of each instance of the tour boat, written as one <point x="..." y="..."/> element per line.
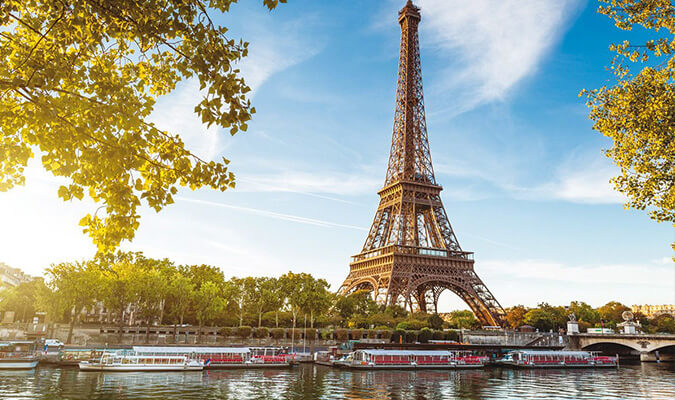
<point x="128" y="361"/>
<point x="410" y="359"/>
<point x="557" y="359"/>
<point x="225" y="357"/>
<point x="18" y="355"/>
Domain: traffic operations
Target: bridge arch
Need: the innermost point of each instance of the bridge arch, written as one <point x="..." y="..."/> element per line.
<point x="609" y="347"/>
<point x="669" y="348"/>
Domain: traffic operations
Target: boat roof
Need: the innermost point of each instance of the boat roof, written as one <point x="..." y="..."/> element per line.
<point x="552" y="352"/>
<point x="90" y="349"/>
<point x="258" y="349"/>
<point x="11" y="342"/>
<point x="382" y="352"/>
<point x="184" y="350"/>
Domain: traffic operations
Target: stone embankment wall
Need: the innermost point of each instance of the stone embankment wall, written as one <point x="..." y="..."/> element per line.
<point x="164" y="335"/>
<point x="88" y="335"/>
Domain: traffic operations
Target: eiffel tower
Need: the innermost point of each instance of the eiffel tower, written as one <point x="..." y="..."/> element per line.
<point x="411" y="253"/>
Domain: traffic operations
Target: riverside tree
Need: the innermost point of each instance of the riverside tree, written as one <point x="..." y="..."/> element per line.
<point x="357" y="304"/>
<point x="76" y="285"/>
<point x="638" y="111"/>
<point x="611" y="313"/>
<point x="236" y="295"/>
<point x="179" y="298"/>
<point x="120" y="287"/>
<point x="546" y="317"/>
<point x="317" y="300"/>
<point x="463" y="319"/>
<point x="208" y="303"/>
<point x="296" y="288"/>
<point x="152" y="290"/>
<point x="584" y="313"/>
<point x="515" y="316"/>
<point x="24" y="299"/>
<point x="78" y="82"/>
<point x="261" y="295"/>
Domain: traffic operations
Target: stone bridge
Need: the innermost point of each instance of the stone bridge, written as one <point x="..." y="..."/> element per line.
<point x="647" y="346"/>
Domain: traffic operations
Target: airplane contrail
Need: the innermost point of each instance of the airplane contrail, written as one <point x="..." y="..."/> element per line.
<point x="272" y="214"/>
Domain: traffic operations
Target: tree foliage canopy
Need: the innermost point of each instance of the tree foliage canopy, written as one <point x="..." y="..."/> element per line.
<point x="638" y="112"/>
<point x="78" y="81"/>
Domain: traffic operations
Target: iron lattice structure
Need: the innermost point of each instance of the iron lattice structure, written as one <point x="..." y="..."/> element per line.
<point x="411" y="253"/>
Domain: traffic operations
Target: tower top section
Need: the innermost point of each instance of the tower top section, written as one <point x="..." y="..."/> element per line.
<point x="409" y="10"/>
<point x="409" y="159"/>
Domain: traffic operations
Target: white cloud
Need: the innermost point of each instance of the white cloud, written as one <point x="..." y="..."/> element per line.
<point x="532" y="281"/>
<point x="175" y="113"/>
<point x="273" y="48"/>
<point x="311" y="183"/>
<point x="243" y="260"/>
<point x="580" y="179"/>
<point x="664" y="261"/>
<point x="647" y="274"/>
<point x="489" y="45"/>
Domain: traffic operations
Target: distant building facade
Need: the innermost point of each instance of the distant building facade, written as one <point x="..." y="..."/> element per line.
<point x="10" y="277"/>
<point x="654" y="310"/>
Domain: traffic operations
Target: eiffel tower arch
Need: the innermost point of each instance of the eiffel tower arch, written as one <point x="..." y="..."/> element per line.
<point x="411" y="254"/>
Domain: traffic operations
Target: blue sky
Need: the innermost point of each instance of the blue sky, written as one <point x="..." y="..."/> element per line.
<point x="525" y="182"/>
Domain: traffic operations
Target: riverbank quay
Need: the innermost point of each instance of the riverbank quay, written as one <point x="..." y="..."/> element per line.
<point x="494" y="343"/>
<point x="88" y="334"/>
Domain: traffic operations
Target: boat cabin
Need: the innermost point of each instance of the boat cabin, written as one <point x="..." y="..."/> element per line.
<point x="413" y="359"/>
<point x="269" y="354"/>
<point x="564" y="358"/>
<point x="17" y="348"/>
<point x="208" y="355"/>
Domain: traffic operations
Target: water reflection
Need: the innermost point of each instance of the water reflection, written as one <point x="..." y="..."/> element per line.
<point x="639" y="381"/>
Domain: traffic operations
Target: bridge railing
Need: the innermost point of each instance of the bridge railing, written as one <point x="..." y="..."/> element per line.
<point x="513" y="338"/>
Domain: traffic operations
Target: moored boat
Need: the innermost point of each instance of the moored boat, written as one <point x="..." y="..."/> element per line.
<point x="225" y="357"/>
<point x="129" y="361"/>
<point x="410" y="359"/>
<point x="18" y="355"/>
<point x="557" y="359"/>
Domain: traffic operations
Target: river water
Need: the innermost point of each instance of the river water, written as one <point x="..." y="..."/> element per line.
<point x="636" y="381"/>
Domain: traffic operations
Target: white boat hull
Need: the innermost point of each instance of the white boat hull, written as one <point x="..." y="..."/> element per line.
<point x="5" y="364"/>
<point x="408" y="366"/>
<point x="248" y="365"/>
<point x="85" y="366"/>
<point x="558" y="365"/>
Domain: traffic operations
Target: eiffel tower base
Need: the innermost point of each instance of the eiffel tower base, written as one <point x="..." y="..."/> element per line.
<point x="417" y="281"/>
